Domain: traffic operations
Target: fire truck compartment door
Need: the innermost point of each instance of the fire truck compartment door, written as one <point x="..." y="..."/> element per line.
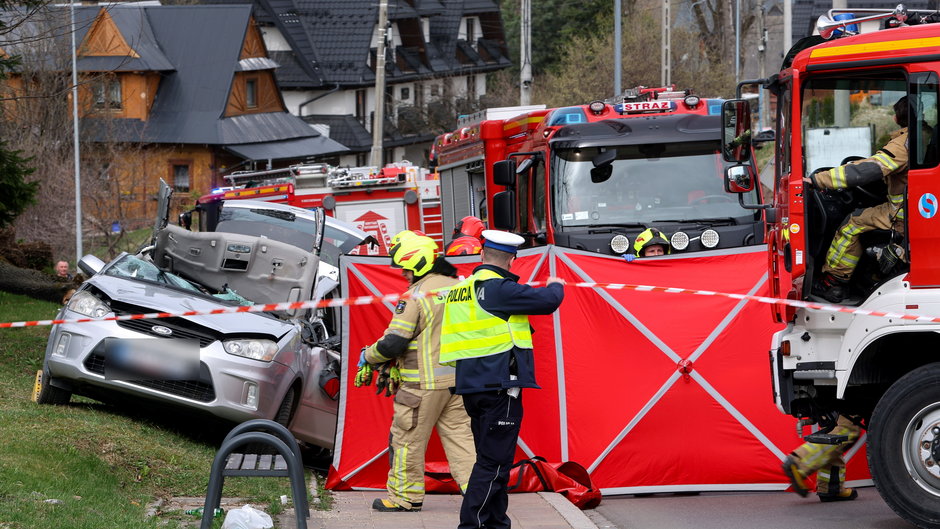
<point x="257" y="268"/>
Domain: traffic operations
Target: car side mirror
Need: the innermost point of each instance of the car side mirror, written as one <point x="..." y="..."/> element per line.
<point x="90" y="265"/>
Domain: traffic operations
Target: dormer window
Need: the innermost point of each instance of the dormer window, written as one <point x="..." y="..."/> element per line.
<point x="251" y="92"/>
<point x="107" y="93"/>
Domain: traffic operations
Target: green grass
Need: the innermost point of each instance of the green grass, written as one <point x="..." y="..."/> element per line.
<point x="90" y="465"/>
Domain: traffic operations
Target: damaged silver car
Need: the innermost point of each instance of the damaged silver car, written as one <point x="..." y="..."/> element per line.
<point x="281" y="366"/>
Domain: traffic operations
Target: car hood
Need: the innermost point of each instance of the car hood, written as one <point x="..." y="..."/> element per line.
<point x="162" y="299"/>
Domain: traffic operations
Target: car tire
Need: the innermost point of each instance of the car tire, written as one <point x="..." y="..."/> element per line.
<point x="286" y="410"/>
<point x="45" y="393"/>
<point x="903" y="442"/>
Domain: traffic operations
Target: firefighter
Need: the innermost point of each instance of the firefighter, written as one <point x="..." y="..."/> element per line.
<point x="467" y="237"/>
<point x="650" y="243"/>
<point x="826" y="461"/>
<point x="890" y="164"/>
<point x="486" y="334"/>
<point x="423" y="401"/>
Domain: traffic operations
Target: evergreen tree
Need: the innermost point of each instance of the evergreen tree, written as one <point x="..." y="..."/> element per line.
<point x="15" y="192"/>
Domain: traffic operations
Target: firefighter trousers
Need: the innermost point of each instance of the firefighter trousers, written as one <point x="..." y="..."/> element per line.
<point x="846" y="249"/>
<point x="826" y="460"/>
<point x="495" y="418"/>
<point x="416" y="413"/>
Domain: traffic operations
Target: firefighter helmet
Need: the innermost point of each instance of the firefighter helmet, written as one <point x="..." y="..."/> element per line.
<point x="470" y="226"/>
<point x="413" y="252"/>
<point x="465" y="245"/>
<point x="650" y="237"/>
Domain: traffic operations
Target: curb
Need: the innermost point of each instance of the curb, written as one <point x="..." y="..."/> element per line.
<point x="573" y="515"/>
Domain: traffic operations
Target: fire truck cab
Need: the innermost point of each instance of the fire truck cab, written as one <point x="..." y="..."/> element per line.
<point x="595" y="176"/>
<point x="879" y="362"/>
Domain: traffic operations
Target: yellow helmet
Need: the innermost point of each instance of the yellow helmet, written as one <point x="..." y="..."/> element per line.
<point x="413" y="252"/>
<point x="649" y="237"/>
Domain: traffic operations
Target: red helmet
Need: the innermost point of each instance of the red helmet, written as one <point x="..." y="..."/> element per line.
<point x="470" y="226"/>
<point x="465" y="245"/>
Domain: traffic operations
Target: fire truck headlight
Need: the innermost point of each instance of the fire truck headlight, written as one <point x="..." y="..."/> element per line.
<point x="692" y="101"/>
<point x="679" y="240"/>
<point x="620" y="244"/>
<point x="709" y="238"/>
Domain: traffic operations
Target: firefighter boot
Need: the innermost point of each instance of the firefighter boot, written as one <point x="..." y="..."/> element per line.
<point x="797" y="479"/>
<point x="830" y="484"/>
<point x="831" y="288"/>
<point x="383" y="505"/>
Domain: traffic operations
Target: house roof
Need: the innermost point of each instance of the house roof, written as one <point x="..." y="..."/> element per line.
<point x="331" y="40"/>
<point x="196" y="49"/>
<point x="806" y="12"/>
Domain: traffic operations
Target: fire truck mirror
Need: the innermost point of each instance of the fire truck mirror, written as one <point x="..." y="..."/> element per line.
<point x="736" y="130"/>
<point x="504" y="210"/>
<point x="738" y="179"/>
<point x="504" y="173"/>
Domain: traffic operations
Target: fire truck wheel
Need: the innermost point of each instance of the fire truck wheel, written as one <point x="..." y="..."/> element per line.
<point x="904" y="446"/>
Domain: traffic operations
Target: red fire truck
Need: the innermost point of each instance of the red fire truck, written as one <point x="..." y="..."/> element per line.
<point x="834" y="100"/>
<point x="379" y="201"/>
<point x="594" y="176"/>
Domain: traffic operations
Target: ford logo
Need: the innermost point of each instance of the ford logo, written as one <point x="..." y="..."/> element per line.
<point x="161" y="330"/>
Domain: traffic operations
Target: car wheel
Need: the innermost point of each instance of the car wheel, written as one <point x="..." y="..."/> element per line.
<point x="45" y="393"/>
<point x="286" y="409"/>
<point x="904" y="446"/>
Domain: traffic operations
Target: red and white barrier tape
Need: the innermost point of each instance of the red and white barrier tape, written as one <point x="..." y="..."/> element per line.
<point x="392" y="298"/>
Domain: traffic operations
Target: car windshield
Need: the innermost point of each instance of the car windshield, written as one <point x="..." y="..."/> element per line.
<point x="643" y="185"/>
<point x="133" y="268"/>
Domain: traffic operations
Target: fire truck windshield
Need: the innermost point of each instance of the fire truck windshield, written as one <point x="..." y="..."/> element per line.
<point x="642" y="185"/>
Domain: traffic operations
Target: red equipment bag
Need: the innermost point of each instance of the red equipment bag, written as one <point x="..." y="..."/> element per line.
<point x="569" y="479"/>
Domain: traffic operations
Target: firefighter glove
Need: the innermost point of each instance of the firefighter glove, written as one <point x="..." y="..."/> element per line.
<point x="364" y="376"/>
<point x="381" y="383"/>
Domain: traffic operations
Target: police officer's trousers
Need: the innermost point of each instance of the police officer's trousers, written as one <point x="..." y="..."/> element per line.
<point x="827" y="459"/>
<point x="416" y="413"/>
<point x="495" y="418"/>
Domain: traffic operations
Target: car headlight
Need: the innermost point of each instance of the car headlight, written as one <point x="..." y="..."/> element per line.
<point x="255" y="349"/>
<point x="87" y="304"/>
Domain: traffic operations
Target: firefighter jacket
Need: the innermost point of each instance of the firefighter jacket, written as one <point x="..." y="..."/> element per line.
<point x="889" y="164"/>
<point x="414" y="336"/>
<point x="495" y="350"/>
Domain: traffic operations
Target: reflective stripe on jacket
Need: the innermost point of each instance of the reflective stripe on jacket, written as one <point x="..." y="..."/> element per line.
<point x="469" y="331"/>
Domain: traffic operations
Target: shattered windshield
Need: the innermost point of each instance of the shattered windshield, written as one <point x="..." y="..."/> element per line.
<point x="131" y="267"/>
<point x="642" y="185"/>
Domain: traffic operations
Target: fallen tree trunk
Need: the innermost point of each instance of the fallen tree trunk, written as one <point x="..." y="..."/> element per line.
<point x="33" y="283"/>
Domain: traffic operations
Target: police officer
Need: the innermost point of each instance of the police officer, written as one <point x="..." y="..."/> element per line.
<point x="423" y="401"/>
<point x="486" y="333"/>
<point x="888" y="164"/>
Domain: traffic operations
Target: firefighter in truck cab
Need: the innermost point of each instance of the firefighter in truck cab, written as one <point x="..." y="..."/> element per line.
<point x="889" y="164"/>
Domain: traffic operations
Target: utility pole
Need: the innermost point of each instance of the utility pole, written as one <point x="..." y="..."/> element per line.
<point x="667" y="45"/>
<point x="737" y="42"/>
<point x="525" y="53"/>
<point x="378" y="119"/>
<point x="78" y="166"/>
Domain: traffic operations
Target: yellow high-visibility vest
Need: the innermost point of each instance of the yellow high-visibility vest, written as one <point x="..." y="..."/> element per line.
<point x="469" y="331"/>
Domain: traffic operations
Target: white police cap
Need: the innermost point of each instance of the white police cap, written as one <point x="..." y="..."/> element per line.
<point x="502" y="240"/>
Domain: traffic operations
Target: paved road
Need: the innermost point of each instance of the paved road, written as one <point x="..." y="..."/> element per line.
<point x="753" y="510"/>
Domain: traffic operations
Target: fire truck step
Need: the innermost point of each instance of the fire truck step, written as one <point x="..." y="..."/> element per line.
<point x="826" y="438"/>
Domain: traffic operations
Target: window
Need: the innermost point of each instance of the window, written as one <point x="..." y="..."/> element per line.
<point x="181" y="177"/>
<point x="925" y="93"/>
<point x="251" y="93"/>
<point x="538" y="196"/>
<point x="107" y="93"/>
<point x="435" y="90"/>
<point x="405" y="93"/>
<point x="361" y="106"/>
<point x="472" y="32"/>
